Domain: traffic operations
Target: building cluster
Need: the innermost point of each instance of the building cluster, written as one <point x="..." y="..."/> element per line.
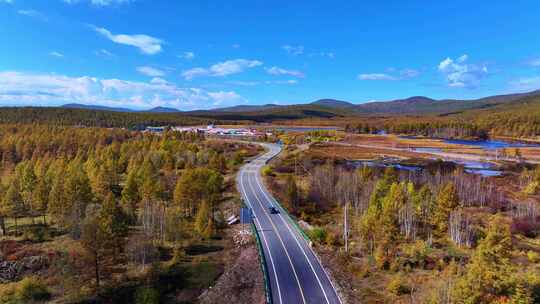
<point x="212" y="130"/>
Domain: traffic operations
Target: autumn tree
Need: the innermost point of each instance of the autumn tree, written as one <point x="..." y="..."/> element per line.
<point x="447" y="201"/>
<point x="195" y="186"/>
<point x="130" y="196"/>
<point x="203" y="220"/>
<point x="40" y="197"/>
<point x="77" y="196"/>
<point x="292" y="196"/>
<point x="388" y="225"/>
<point x="12" y="203"/>
<point x="217" y="162"/>
<point x="488" y="274"/>
<point x="96" y="238"/>
<point x="114" y="222"/>
<point x="28" y="181"/>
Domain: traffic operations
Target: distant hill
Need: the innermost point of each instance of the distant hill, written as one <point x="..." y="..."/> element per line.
<point x="333" y="103"/>
<point x="94" y="107"/>
<point x="268" y="114"/>
<point x="117" y="109"/>
<point x="420" y="105"/>
<point x="162" y="110"/>
<point x="246" y="108"/>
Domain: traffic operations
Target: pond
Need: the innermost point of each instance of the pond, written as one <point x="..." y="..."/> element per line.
<point x="487" y="144"/>
<point x="490" y="144"/>
<point x="472" y="167"/>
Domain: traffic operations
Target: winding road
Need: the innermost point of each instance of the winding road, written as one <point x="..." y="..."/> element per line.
<point x="295" y="272"/>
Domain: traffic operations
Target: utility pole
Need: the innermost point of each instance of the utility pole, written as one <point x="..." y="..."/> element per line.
<point x="346" y="226"/>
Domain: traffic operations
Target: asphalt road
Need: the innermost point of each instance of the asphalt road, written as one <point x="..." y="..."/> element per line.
<point x="295" y="272"/>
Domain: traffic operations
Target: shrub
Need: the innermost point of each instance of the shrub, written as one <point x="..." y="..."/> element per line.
<point x="398" y="286"/>
<point x="416" y="254"/>
<point x="318" y="235"/>
<point x="525" y="226"/>
<point x="146" y="295"/>
<point x="267" y="171"/>
<point x="531" y="188"/>
<point x="31" y="289"/>
<point x="36" y="234"/>
<point x="533" y="256"/>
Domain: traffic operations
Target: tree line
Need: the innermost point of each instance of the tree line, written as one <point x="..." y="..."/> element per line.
<point x="97" y="184"/>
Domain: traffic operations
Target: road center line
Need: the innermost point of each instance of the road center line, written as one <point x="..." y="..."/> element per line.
<point x="296" y="239"/>
<point x="263" y="237"/>
<point x="281" y="241"/>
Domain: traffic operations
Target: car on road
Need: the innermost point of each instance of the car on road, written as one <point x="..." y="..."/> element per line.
<point x="273" y="210"/>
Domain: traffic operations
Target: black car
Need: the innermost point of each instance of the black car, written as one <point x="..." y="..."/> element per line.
<point x="273" y="210"/>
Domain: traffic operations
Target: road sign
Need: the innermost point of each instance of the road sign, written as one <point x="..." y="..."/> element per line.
<point x="245" y="216"/>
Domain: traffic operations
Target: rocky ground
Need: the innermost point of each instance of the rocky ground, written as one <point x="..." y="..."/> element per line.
<point x="242" y="281"/>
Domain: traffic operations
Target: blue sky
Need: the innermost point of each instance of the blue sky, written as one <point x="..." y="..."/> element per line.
<point x="207" y="54"/>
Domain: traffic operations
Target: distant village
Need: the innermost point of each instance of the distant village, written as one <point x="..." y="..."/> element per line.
<point x="212" y="130"/>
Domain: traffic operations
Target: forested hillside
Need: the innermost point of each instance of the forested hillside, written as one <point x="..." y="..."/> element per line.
<point x="96" y="118"/>
<point x="110" y="214"/>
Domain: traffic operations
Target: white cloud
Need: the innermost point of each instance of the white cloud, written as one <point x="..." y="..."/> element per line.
<point x="104" y="53"/>
<point x="392" y="74"/>
<point x="267" y="82"/>
<point x="526" y="84"/>
<point x="32" y="13"/>
<point x="294" y="50"/>
<point x="150" y="71"/>
<point x="146" y="44"/>
<point x="376" y="76"/>
<point x="244" y="83"/>
<point x="21" y="88"/>
<point x="328" y="54"/>
<point x="408" y="73"/>
<point x="458" y="73"/>
<point x="276" y="71"/>
<point x="222" y="97"/>
<point x="221" y="69"/>
<point x="56" y="54"/>
<point x="99" y="2"/>
<point x="187" y="55"/>
<point x="535" y="62"/>
<point x="290" y="81"/>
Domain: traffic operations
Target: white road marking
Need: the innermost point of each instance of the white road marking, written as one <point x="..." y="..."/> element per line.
<point x="297" y="242"/>
<point x="282" y="244"/>
<point x="264" y="238"/>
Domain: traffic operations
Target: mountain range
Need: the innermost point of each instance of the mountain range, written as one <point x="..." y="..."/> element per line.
<point x="416" y="105"/>
<point x="117" y="109"/>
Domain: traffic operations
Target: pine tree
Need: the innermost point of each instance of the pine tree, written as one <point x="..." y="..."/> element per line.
<point x="78" y="195"/>
<point x="202" y="220"/>
<point x="490" y="267"/>
<point x="447" y="201"/>
<point x="217" y="162"/>
<point x="521" y="295"/>
<point x="12" y="204"/>
<point x="96" y="240"/>
<point x="113" y="221"/>
<point x="130" y="196"/>
<point x="388" y="225"/>
<point x="40" y="197"/>
<point x="28" y="182"/>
